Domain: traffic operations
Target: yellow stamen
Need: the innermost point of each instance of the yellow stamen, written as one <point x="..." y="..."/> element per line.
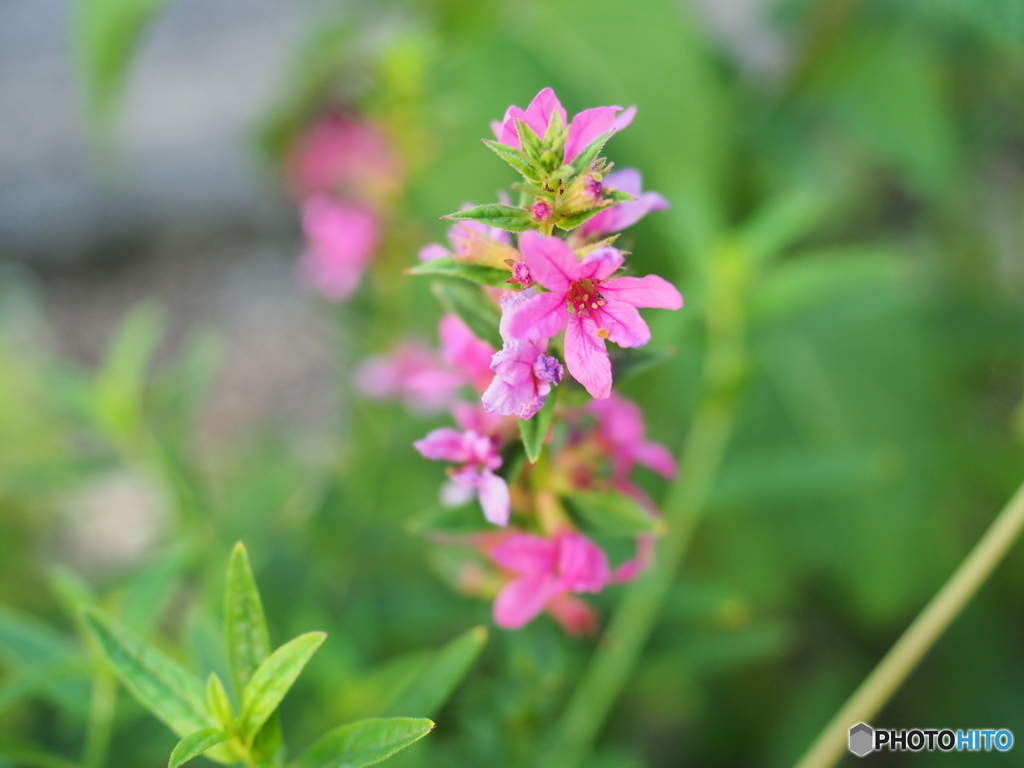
<point x="602" y="333"/>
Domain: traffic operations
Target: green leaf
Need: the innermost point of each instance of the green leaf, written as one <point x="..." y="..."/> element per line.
<point x="217" y="701"/>
<point x="105" y="35"/>
<point x="195" y="744"/>
<point x="496" y="215"/>
<point x="574" y="220"/>
<point x="584" y="159"/>
<point x="272" y="679"/>
<point x="160" y="684"/>
<point x="245" y="626"/>
<point x="473" y="306"/>
<point x="150" y="589"/>
<point x="613" y="514"/>
<point x="535" y="429"/>
<point x="447" y="266"/>
<point x="515" y="158"/>
<point x="432" y="688"/>
<point x="120" y="386"/>
<point x="364" y="742"/>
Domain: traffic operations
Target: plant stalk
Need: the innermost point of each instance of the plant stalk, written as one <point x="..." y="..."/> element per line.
<point x="890" y="673"/>
<point x="616" y="657"/>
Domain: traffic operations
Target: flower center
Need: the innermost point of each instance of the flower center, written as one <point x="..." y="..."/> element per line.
<point x="584" y="297"/>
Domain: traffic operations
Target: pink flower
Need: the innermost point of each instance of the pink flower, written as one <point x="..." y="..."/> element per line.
<point x="620" y="429"/>
<point x="475" y="242"/>
<point x="412" y="373"/>
<point x="589" y="305"/>
<point x="425" y="380"/>
<point x="584" y="128"/>
<point x="548" y="569"/>
<point x="524" y="374"/>
<point x="343" y="154"/>
<point x="618" y="217"/>
<point x="341" y="240"/>
<point x="461" y="349"/>
<point x="520" y="273"/>
<point x="477" y="456"/>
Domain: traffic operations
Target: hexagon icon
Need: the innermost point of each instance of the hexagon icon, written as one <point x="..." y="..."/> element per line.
<point x="862" y="739"/>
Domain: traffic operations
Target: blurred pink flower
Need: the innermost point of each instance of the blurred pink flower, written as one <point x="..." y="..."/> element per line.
<point x="461" y="349"/>
<point x="341" y="239"/>
<point x="620" y="429"/>
<point x="588" y="304"/>
<point x="523" y="372"/>
<point x="623" y="215"/>
<point x="477" y="456"/>
<point x="584" y="128"/>
<point x="424" y="379"/>
<point x="344" y="154"/>
<point x="547" y="569"/>
<point x="412" y="373"/>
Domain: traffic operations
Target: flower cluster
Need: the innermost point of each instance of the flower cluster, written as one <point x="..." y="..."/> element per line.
<point x="342" y="171"/>
<point x="547" y="448"/>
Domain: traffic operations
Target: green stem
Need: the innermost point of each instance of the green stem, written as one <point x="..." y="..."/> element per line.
<point x="615" y="659"/>
<point x="101" y="718"/>
<point x="890" y="673"/>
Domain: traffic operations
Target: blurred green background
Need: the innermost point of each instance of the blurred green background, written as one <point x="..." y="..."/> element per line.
<point x="854" y="169"/>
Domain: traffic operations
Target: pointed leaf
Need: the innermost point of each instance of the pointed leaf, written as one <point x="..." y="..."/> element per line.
<point x="613" y="514"/>
<point x="447" y="266"/>
<point x="272" y="679"/>
<point x="574" y="220"/>
<point x="217" y="701"/>
<point x="195" y="744"/>
<point x="535" y="429"/>
<point x="473" y="306"/>
<point x="431" y="689"/>
<point x="364" y="742"/>
<point x="245" y="627"/>
<point x="160" y="684"/>
<point x="495" y="215"/>
<point x="514" y="158"/>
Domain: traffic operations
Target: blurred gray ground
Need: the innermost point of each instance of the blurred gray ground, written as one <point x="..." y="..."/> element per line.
<point x="185" y="214"/>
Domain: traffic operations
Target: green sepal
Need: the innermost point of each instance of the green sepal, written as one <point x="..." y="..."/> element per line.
<point x="613" y="514"/>
<point x="364" y="742"/>
<point x="163" y="686"/>
<point x="496" y="215"/>
<point x="428" y="692"/>
<point x="195" y="744"/>
<point x="515" y="158"/>
<point x="535" y="429"/>
<point x="449" y="266"/>
<point x="472" y="306"/>
<point x="217" y="701"/>
<point x="618" y="195"/>
<point x="529" y="140"/>
<point x="272" y="680"/>
<point x="584" y="159"/>
<point x="574" y="220"/>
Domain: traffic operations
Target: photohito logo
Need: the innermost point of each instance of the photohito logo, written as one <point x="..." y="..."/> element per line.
<point x="864" y="739"/>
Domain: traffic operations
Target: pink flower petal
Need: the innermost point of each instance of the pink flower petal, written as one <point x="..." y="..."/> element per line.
<point x="538" y="114"/>
<point x="522" y="600"/>
<point x="587" y="126"/>
<point x="539" y="318"/>
<point x="551" y="261"/>
<point x="433" y="251"/>
<point x="649" y="291"/>
<point x="630" y="569"/>
<point x="627" y="180"/>
<point x="625" y="119"/>
<point x="624" y="325"/>
<point x="461" y="348"/>
<point x="655" y="456"/>
<point x="620" y="421"/>
<point x="573" y="615"/>
<point x="509" y="136"/>
<point x="494" y="498"/>
<point x="602" y="263"/>
<point x="526" y="553"/>
<point x="444" y="444"/>
<point x="582" y="565"/>
<point x="586" y="357"/>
